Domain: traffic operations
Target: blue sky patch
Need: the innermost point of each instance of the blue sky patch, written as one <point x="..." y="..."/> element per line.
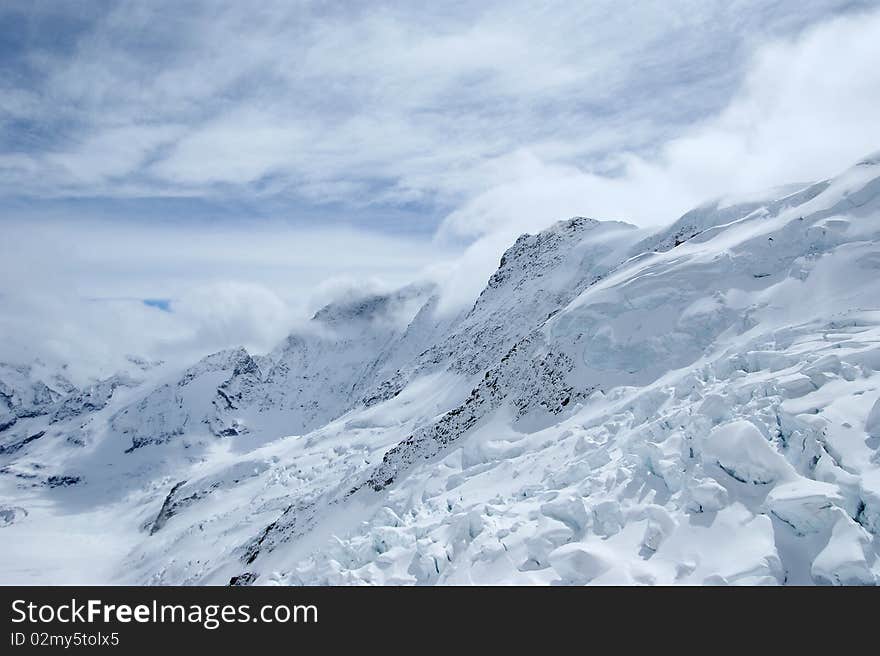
<point x="163" y="304"/>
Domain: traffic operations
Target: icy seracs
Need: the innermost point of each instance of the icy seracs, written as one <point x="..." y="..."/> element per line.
<point x="696" y="406"/>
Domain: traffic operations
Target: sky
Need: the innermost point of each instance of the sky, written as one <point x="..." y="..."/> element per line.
<point x="236" y="165"/>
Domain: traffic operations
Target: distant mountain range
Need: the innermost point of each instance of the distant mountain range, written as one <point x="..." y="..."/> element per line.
<point x="694" y="406"/>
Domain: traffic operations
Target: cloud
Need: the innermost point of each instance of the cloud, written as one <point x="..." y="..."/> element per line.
<point x="234" y="313"/>
<point x="484" y="121"/>
<point x="806" y="110"/>
<point x="83" y="291"/>
<point x="393" y="104"/>
<point x="112" y="153"/>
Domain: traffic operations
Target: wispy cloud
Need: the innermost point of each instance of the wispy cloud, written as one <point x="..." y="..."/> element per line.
<point x="383" y="104"/>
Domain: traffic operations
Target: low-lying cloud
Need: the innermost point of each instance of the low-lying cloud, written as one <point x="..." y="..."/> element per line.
<point x="75" y="291"/>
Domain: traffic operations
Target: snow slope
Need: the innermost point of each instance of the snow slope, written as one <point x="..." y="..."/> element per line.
<point x="696" y="406"/>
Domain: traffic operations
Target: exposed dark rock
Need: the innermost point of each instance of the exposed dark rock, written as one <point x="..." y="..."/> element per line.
<point x="63" y="481"/>
<point x="245" y="578"/>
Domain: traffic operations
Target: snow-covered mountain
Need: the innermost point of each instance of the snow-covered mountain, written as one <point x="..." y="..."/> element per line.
<point x="698" y="405"/>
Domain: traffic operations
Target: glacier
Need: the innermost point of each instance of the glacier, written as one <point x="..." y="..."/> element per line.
<point x="697" y="405"/>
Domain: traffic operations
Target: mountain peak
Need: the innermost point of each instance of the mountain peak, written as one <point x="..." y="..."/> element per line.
<point x="612" y="409"/>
